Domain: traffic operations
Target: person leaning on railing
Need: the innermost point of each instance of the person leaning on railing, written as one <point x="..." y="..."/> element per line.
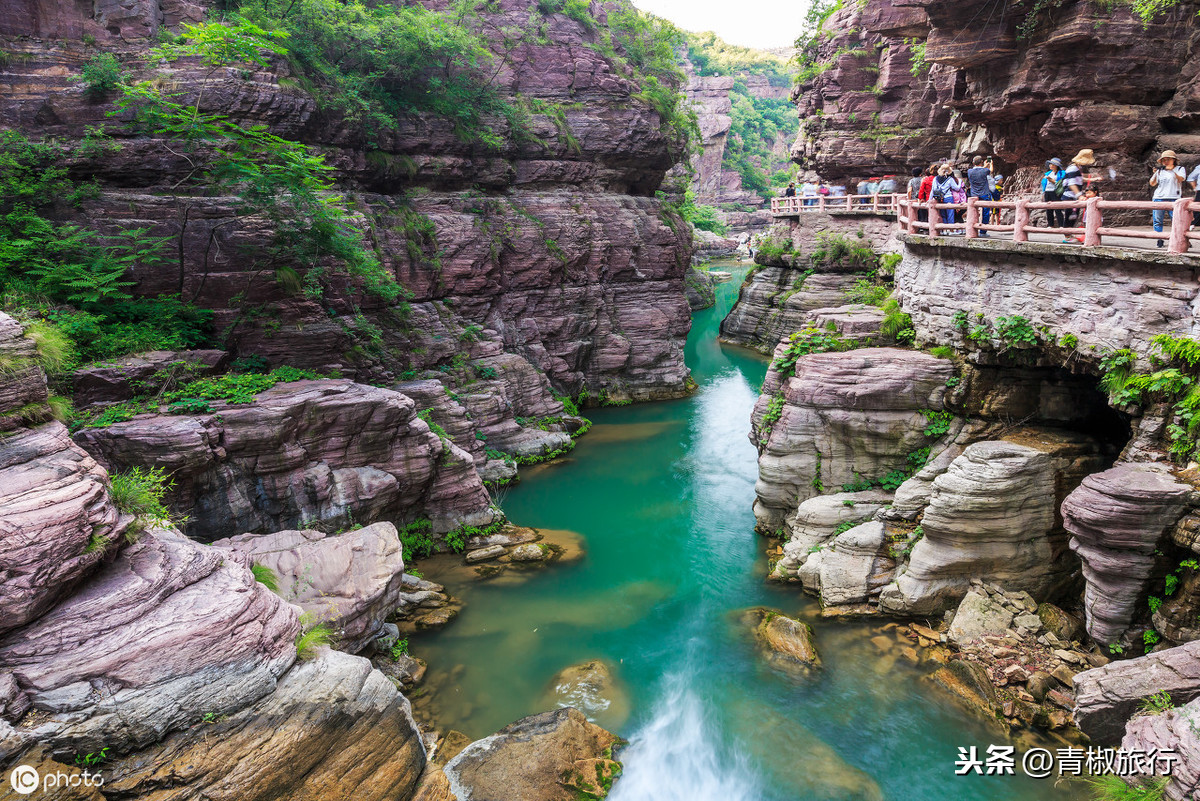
<point x="1167" y="178"/>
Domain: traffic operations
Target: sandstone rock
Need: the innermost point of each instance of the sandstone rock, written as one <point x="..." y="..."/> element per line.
<point x="970" y="683"/>
<point x="484" y="554"/>
<point x="1173" y="730"/>
<point x="593" y="689"/>
<point x="1039" y="684"/>
<point x="329" y="451"/>
<point x="854" y="567"/>
<point x="1117" y="519"/>
<point x="991" y="516"/>
<point x="169" y="631"/>
<point x="529" y="552"/>
<point x="977" y="616"/>
<point x="142" y="374"/>
<point x="856" y="412"/>
<point x="333" y="728"/>
<point x="698" y="286"/>
<point x="351" y="581"/>
<point x="1106" y="697"/>
<point x="816" y="520"/>
<point x="787" y="643"/>
<point x="546" y="757"/>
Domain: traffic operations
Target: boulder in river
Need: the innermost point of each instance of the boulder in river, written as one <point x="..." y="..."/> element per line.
<point x="552" y="756"/>
<point x="786" y="642"/>
<point x="593" y="689"/>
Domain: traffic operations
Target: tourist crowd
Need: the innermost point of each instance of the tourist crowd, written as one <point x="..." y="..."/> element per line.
<point x="944" y="182"/>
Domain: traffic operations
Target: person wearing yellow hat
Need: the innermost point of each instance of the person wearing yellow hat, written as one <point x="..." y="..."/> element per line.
<point x="1167" y="180"/>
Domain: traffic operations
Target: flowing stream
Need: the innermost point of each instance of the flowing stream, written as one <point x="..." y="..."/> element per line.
<point x="661" y="494"/>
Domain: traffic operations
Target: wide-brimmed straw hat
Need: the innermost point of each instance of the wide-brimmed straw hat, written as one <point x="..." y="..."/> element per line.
<point x="1084" y="158"/>
<point x="1167" y="154"/>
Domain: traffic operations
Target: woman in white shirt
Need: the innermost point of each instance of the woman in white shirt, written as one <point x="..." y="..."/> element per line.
<point x="1167" y="180"/>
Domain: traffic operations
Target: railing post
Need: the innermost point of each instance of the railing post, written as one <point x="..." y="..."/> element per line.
<point x="972" y="218"/>
<point x="875" y="203"/>
<point x="1181" y="218"/>
<point x="1091" y="223"/>
<point x="1020" y="220"/>
<point x="911" y="214"/>
<point x="820" y="202"/>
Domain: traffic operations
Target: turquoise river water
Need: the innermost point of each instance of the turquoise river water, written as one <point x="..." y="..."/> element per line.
<point x="661" y="494"/>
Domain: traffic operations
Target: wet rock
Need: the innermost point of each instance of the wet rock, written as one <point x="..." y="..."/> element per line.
<point x="547" y="757"/>
<point x="350" y="581"/>
<point x="1108" y="696"/>
<point x="787" y="643"/>
<point x="991" y="516"/>
<point x="1117" y="519"/>
<point x="484" y="554"/>
<point x="330" y="451"/>
<point x="970" y="683"/>
<point x="529" y="552"/>
<point x="593" y="689"/>
<point x="977" y="616"/>
<point x="698" y="286"/>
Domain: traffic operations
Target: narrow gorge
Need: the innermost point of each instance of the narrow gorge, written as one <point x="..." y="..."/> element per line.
<point x="430" y="401"/>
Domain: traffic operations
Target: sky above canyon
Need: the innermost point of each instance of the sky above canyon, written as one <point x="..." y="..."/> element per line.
<point x="752" y="23"/>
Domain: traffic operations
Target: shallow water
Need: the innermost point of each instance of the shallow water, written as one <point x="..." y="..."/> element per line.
<point x="662" y="495"/>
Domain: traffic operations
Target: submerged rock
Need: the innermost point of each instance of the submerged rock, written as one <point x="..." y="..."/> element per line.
<point x="553" y="756"/>
<point x="593" y="689"/>
<point x="1117" y="519"/>
<point x="350" y="581"/>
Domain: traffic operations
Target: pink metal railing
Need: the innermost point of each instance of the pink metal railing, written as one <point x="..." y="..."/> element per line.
<point x="883" y="204"/>
<point x="1092" y="232"/>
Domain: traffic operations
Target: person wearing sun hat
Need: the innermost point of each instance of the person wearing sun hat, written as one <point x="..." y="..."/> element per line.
<point x="1055" y="218"/>
<point x="1167" y="179"/>
<point x="1073" y="182"/>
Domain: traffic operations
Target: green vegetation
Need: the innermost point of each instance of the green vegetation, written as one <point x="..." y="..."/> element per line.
<point x="101" y="75"/>
<point x="770" y="417"/>
<point x="841" y="251"/>
<point x="1156" y="704"/>
<point x="868" y="292"/>
<point x="897" y="323"/>
<point x="809" y="340"/>
<point x="711" y="55"/>
<point x="265" y="576"/>
<point x="1016" y="331"/>
<point x="140" y="492"/>
<point x="1108" y="787"/>
<point x="399" y="649"/>
<point x="416" y="538"/>
<point x="91" y="760"/>
<point x="312" y="636"/>
<point x="705" y="218"/>
<point x="1176" y="381"/>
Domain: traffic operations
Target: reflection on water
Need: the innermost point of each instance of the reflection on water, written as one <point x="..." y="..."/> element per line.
<point x="662" y="494"/>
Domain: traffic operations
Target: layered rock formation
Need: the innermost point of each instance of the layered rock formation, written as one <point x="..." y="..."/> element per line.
<point x="1108" y="696"/>
<point x="1172" y="730"/>
<point x="991" y="516"/>
<point x="1025" y="83"/>
<point x="1118" y="520"/>
<point x="781" y="297"/>
<point x="845" y="417"/>
<point x="555" y="250"/>
<point x="333" y="452"/>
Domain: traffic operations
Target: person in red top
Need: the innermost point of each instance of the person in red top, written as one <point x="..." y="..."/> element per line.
<point x="926" y="188"/>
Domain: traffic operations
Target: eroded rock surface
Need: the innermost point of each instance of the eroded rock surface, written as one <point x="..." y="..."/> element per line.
<point x="349" y="581"/>
<point x="1117" y="519"/>
<point x="1108" y="696"/>
<point x="1173" y="730"/>
<point x="331" y="451"/>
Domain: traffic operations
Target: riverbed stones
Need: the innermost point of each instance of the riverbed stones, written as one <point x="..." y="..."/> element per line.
<point x="990" y="516"/>
<point x="592" y="688"/>
<point x="845" y="416"/>
<point x="1062" y="625"/>
<point x="350" y="582"/>
<point x="552" y="756"/>
<point x="1108" y="696"/>
<point x="484" y="554"/>
<point x="529" y="552"/>
<point x="1117" y="519"/>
